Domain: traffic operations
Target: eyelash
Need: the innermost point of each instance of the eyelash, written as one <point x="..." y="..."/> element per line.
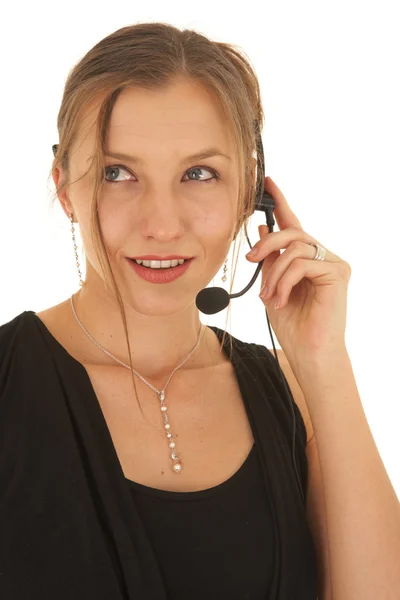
<point x="215" y="174"/>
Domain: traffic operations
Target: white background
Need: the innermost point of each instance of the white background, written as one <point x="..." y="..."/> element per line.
<point x="329" y="75"/>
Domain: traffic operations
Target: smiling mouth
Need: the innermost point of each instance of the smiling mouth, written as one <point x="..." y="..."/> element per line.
<point x="160" y="264"/>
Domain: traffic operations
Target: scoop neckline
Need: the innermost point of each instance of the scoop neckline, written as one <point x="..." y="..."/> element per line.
<point x="197" y="494"/>
<point x="134" y="484"/>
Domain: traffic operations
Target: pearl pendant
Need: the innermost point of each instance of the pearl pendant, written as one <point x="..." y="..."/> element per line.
<point x="177" y="467"/>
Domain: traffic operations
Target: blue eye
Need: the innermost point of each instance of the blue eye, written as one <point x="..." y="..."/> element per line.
<point x="114" y="168"/>
<point x="212" y="171"/>
<point x="118" y="168"/>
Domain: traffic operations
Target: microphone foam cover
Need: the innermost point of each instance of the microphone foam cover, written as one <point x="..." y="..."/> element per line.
<point x="212" y="300"/>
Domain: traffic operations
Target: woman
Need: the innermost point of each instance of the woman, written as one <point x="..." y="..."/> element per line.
<point x="188" y="492"/>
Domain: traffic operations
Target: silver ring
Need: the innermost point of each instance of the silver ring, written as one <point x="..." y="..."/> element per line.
<point x="321" y="252"/>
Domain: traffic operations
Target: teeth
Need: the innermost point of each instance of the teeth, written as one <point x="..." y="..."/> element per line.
<point x="160" y="264"/>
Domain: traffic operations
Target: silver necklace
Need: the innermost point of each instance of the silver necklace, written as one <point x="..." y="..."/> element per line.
<point x="177" y="467"/>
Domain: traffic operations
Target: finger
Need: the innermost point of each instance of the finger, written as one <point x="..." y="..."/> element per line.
<point x="268" y="264"/>
<point x="318" y="273"/>
<point x="269" y="260"/>
<point x="281" y="265"/>
<point x="280" y="240"/>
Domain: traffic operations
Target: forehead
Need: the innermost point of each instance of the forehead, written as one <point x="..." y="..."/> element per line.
<point x="171" y="121"/>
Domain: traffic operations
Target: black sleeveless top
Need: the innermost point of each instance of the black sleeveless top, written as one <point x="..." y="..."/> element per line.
<point x="73" y="526"/>
<point x="219" y="538"/>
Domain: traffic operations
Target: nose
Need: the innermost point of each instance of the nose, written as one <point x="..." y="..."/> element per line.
<point x="162" y="215"/>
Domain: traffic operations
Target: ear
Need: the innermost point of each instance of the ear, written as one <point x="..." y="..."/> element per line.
<point x="62" y="196"/>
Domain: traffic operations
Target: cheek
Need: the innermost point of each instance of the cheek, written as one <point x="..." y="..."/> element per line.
<point x="116" y="224"/>
<point x="218" y="220"/>
<point x="215" y="237"/>
<point x="218" y="230"/>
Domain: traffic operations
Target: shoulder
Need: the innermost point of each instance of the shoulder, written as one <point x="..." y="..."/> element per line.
<point x="262" y="356"/>
<point x="13" y="333"/>
<point x="9" y="331"/>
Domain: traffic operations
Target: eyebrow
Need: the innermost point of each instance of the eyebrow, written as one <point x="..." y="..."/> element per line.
<point x="207" y="153"/>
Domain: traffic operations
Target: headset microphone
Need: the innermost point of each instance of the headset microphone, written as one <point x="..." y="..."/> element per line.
<point x="214" y="299"/>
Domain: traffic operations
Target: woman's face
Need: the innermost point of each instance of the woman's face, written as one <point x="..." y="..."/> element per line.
<point x="159" y="201"/>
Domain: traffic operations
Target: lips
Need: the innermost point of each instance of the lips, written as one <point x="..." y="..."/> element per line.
<point x="160" y="275"/>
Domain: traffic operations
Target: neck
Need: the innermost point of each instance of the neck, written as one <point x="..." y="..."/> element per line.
<point x="158" y="344"/>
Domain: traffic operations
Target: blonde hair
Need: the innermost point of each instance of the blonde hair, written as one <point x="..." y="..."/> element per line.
<point x="152" y="56"/>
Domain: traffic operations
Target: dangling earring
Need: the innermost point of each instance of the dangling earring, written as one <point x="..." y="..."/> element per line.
<point x="81" y="282"/>
<point x="224" y="277"/>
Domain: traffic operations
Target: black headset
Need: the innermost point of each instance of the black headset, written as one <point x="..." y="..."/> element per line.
<point x="214" y="299"/>
<point x="211" y="300"/>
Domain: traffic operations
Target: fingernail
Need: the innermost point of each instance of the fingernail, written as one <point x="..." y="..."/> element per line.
<point x="252" y="252"/>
